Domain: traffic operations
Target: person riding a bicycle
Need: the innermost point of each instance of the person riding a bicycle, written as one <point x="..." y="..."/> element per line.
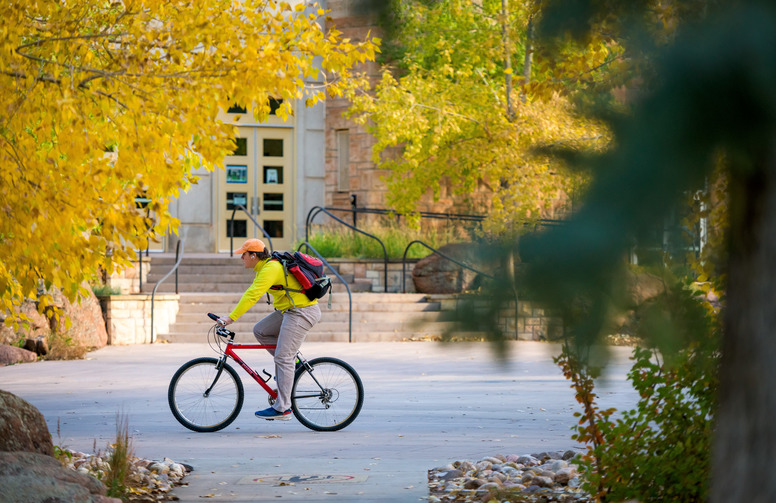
<point x="286" y="326"/>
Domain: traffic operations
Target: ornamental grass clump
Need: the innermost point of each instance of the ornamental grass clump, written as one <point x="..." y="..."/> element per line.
<point x="341" y="241"/>
<point x="119" y="460"/>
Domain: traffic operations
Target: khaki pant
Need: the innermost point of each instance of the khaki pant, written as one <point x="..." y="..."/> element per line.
<point x="287" y="330"/>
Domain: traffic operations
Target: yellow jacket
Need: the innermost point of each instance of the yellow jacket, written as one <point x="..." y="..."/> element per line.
<point x="270" y="273"/>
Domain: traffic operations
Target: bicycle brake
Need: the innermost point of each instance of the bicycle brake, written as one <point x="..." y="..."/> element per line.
<point x="224" y="332"/>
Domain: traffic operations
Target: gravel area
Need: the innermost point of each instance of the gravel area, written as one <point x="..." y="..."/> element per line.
<point x="149" y="481"/>
<point x="541" y="477"/>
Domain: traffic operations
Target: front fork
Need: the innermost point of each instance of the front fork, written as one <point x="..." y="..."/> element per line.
<point x="220" y="368"/>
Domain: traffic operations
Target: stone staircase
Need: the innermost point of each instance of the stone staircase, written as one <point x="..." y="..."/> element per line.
<point x="215" y="273"/>
<point x="214" y="283"/>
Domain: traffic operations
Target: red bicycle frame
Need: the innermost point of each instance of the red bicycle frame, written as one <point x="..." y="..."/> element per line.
<point x="230" y="352"/>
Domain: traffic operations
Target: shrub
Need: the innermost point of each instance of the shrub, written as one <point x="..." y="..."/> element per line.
<point x="341" y="241"/>
<point x="659" y="451"/>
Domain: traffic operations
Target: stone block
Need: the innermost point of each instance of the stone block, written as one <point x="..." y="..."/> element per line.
<point x="122" y="331"/>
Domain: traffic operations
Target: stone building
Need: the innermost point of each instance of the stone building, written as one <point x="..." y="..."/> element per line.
<point x="282" y="169"/>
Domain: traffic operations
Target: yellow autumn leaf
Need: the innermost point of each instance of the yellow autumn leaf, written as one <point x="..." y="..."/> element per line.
<point x="119" y="99"/>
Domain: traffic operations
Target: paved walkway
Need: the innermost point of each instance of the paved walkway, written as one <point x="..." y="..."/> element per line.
<point x="427" y="404"/>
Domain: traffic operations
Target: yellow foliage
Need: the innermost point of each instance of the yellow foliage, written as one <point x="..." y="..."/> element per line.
<point x="453" y="111"/>
<point x="101" y="102"/>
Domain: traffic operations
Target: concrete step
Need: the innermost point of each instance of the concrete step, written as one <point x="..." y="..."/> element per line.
<point x="339" y="298"/>
<point x="375" y="317"/>
<point x="382" y="317"/>
<point x="215" y="283"/>
<point x="340" y="336"/>
<point x="337" y="332"/>
<point x="218" y="285"/>
<point x="193" y="303"/>
<point x="332" y="322"/>
<point x="216" y="273"/>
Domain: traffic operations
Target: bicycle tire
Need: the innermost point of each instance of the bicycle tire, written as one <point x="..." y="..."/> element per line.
<point x="205" y="413"/>
<point x="330" y="398"/>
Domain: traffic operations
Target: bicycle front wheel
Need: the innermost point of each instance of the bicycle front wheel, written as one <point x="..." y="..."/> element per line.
<point x="203" y="399"/>
<point x="328" y="396"/>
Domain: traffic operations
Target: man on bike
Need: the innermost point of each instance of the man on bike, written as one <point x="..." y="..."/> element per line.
<point x="286" y="327"/>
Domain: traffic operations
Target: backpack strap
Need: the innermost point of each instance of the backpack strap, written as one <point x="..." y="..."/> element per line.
<point x="281" y="287"/>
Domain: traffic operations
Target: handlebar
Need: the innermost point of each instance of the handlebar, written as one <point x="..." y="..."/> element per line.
<point x="221" y="330"/>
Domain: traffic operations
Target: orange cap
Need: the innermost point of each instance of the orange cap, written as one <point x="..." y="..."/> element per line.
<point x="251" y="245"/>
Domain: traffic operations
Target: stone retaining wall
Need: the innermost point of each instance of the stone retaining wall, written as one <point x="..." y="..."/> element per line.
<point x="128" y="317"/>
<point x="129" y="280"/>
<point x="534" y="323"/>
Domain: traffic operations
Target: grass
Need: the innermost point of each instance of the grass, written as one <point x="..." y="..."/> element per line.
<point x="63" y="347"/>
<point x="113" y="469"/>
<point x="120" y="460"/>
<point x="342" y="242"/>
<point x="105" y="290"/>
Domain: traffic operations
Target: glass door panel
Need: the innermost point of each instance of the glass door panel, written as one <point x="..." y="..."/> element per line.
<point x="256" y="178"/>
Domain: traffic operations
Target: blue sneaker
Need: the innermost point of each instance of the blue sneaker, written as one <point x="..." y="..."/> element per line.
<point x="272" y="414"/>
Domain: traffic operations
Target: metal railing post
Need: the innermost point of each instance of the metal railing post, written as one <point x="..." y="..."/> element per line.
<point x="310" y="216"/>
<point x="347" y="287"/>
<point x="178" y="257"/>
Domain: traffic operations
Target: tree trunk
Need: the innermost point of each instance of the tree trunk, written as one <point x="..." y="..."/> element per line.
<point x="745" y="443"/>
<point x="507" y="59"/>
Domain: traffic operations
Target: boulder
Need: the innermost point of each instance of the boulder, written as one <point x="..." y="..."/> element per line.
<point x="22" y="427"/>
<point x="29" y="477"/>
<point x="436" y="274"/>
<point x="643" y="286"/>
<point x="11" y="354"/>
<point x="87" y="326"/>
<point x="39" y="325"/>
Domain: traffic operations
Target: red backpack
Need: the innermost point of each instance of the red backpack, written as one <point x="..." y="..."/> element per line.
<point x="307" y="270"/>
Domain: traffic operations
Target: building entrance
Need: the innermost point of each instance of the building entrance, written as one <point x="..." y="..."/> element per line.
<point x="258" y="175"/>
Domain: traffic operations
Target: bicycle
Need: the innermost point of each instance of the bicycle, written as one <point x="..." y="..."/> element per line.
<point x="206" y="394"/>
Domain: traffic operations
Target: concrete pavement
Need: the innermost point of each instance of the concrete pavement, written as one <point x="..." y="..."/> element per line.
<point x="427" y="404"/>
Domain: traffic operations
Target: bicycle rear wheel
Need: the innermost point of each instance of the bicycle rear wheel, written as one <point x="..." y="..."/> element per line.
<point x="329" y="396"/>
<point x="203" y="411"/>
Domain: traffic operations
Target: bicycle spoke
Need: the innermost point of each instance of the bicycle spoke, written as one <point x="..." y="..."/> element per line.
<point x="193" y="408"/>
<point x="329" y="397"/>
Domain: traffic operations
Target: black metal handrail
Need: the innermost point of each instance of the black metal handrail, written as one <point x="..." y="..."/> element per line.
<point x="350" y="296"/>
<point x="423" y="214"/>
<point x="236" y="207"/>
<point x="510" y="271"/>
<point x="178" y="257"/>
<point x="319" y="209"/>
<point x="434" y="250"/>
